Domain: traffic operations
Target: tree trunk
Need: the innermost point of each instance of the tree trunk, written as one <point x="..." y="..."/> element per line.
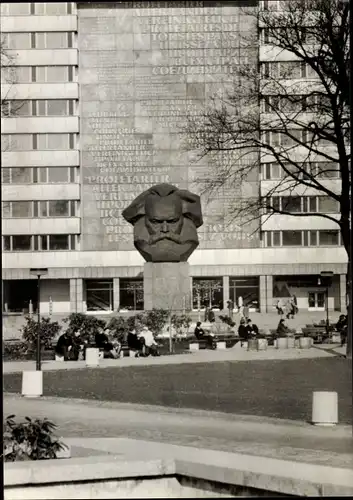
<point x="346" y="237"/>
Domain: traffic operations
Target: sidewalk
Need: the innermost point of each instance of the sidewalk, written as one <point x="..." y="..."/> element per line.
<point x="203" y="356"/>
<point x="96" y="428"/>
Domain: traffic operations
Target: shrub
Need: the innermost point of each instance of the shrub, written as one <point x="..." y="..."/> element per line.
<point x="227" y="320"/>
<point x="14" y="350"/>
<point x="48" y="330"/>
<point x="88" y="325"/>
<point x="118" y="327"/>
<point x="30" y="440"/>
<point x="180" y="322"/>
<point x="136" y="322"/>
<point x="156" y="319"/>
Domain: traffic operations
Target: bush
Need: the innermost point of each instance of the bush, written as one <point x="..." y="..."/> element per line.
<point x="156" y="319"/>
<point x="14" y="350"/>
<point x="118" y="327"/>
<point x="48" y="330"/>
<point x="30" y="440"/>
<point x="88" y="325"/>
<point x="180" y="322"/>
<point x="227" y="320"/>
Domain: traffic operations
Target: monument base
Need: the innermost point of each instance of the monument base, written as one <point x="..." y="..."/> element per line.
<point x="167" y="286"/>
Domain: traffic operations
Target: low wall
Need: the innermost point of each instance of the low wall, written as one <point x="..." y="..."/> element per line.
<point x="213" y="474"/>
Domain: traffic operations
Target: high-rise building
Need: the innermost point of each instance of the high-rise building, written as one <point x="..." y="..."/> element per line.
<point x="94" y="104"/>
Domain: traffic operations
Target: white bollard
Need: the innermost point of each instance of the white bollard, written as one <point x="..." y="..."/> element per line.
<point x="194" y="346"/>
<point x="325" y="408"/>
<point x="221" y="345"/>
<point x="291" y="342"/>
<point x="282" y="343"/>
<point x="262" y="344"/>
<point x="59" y="358"/>
<point x="305" y="342"/>
<point x="92" y="356"/>
<point x="32" y="384"/>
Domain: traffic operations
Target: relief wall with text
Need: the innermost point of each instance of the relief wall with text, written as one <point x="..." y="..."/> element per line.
<point x="143" y="68"/>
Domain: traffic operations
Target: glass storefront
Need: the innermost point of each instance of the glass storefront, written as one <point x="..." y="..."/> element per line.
<point x="131" y="295"/>
<point x="244" y="291"/>
<point x="207" y="292"/>
<point x="99" y="295"/>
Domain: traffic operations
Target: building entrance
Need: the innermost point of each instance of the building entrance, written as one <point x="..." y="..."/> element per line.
<point x="316" y="301"/>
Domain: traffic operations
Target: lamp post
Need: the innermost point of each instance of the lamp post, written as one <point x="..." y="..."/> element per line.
<point x="327" y="275"/>
<point x="38" y="272"/>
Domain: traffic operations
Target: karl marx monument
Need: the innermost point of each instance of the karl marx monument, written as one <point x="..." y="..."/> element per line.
<point x="165" y="221"/>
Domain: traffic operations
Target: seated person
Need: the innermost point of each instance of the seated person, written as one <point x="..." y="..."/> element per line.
<point x="64" y="345"/>
<point x="282" y="328"/>
<point x="135" y="343"/>
<point x="150" y="346"/>
<point x="77" y="346"/>
<point x="252" y="329"/>
<point x="242" y="330"/>
<point x="102" y="342"/>
<point x="201" y="335"/>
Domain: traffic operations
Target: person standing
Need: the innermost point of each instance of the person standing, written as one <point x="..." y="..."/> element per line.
<point x="151" y="346"/>
<point x="279" y="307"/>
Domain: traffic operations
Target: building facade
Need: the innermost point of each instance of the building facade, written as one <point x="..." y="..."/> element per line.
<point x="96" y="100"/>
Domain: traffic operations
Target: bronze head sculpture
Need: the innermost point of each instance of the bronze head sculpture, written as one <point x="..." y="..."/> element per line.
<point x="165" y="220"/>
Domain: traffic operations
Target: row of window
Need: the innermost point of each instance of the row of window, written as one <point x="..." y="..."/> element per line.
<point x="37" y="8"/>
<point x="301" y="238"/>
<point x="304" y="204"/>
<point x="287" y="70"/>
<point x="38" y="74"/>
<point x="42" y="175"/>
<point x="293" y="137"/>
<point x="41" y="107"/>
<point x="321" y="170"/>
<point x="28" y="142"/>
<point x="27" y="209"/>
<point x="38" y="40"/>
<point x="306" y="35"/>
<point x="283" y="5"/>
<point x="294" y="103"/>
<point x="30" y="243"/>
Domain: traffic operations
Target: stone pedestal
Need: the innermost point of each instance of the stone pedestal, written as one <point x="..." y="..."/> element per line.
<point x="166" y="285"/>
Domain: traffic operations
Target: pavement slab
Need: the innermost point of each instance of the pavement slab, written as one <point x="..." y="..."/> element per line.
<point x="87" y="426"/>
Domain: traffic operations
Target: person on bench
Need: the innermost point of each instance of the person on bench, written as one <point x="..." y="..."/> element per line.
<point x="150" y="345"/>
<point x="135" y="343"/>
<point x="102" y="342"/>
<point x="201" y="335"/>
<point x="77" y="346"/>
<point x="282" y="328"/>
<point x="64" y="345"/>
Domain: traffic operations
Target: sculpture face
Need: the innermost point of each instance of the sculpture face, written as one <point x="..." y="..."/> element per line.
<point x="165" y="221"/>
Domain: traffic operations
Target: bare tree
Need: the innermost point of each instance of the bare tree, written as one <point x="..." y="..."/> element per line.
<point x="9" y="107"/>
<point x="295" y="115"/>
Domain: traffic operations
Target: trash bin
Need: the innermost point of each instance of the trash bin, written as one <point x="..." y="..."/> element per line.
<point x="282" y="343"/>
<point x="252" y="345"/>
<point x="262" y="344"/>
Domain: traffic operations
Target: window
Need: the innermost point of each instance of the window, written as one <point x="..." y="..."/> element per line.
<point x="131" y="294"/>
<point x="19" y="41"/>
<point x="58" y="242"/>
<point x="58" y="174"/>
<point x="328" y="238"/>
<point x="276" y="238"/>
<point x="313" y="238"/>
<point x="293" y="138"/>
<point x="21" y="243"/>
<point x="291" y="204"/>
<point x="21" y="209"/>
<point x="53" y="40"/>
<point x="59" y="208"/>
<point x="291" y="70"/>
<point x="17" y="142"/>
<point x="56" y="8"/>
<point x="54" y="141"/>
<point x="52" y="74"/>
<point x="6" y="243"/>
<point x="16" y="175"/>
<point x="99" y="295"/>
<point x="328" y="205"/>
<point x="246" y="288"/>
<point x="18" y="9"/>
<point x="57" y="107"/>
<point x="291" y="238"/>
<point x="207" y="292"/>
<point x="327" y="170"/>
